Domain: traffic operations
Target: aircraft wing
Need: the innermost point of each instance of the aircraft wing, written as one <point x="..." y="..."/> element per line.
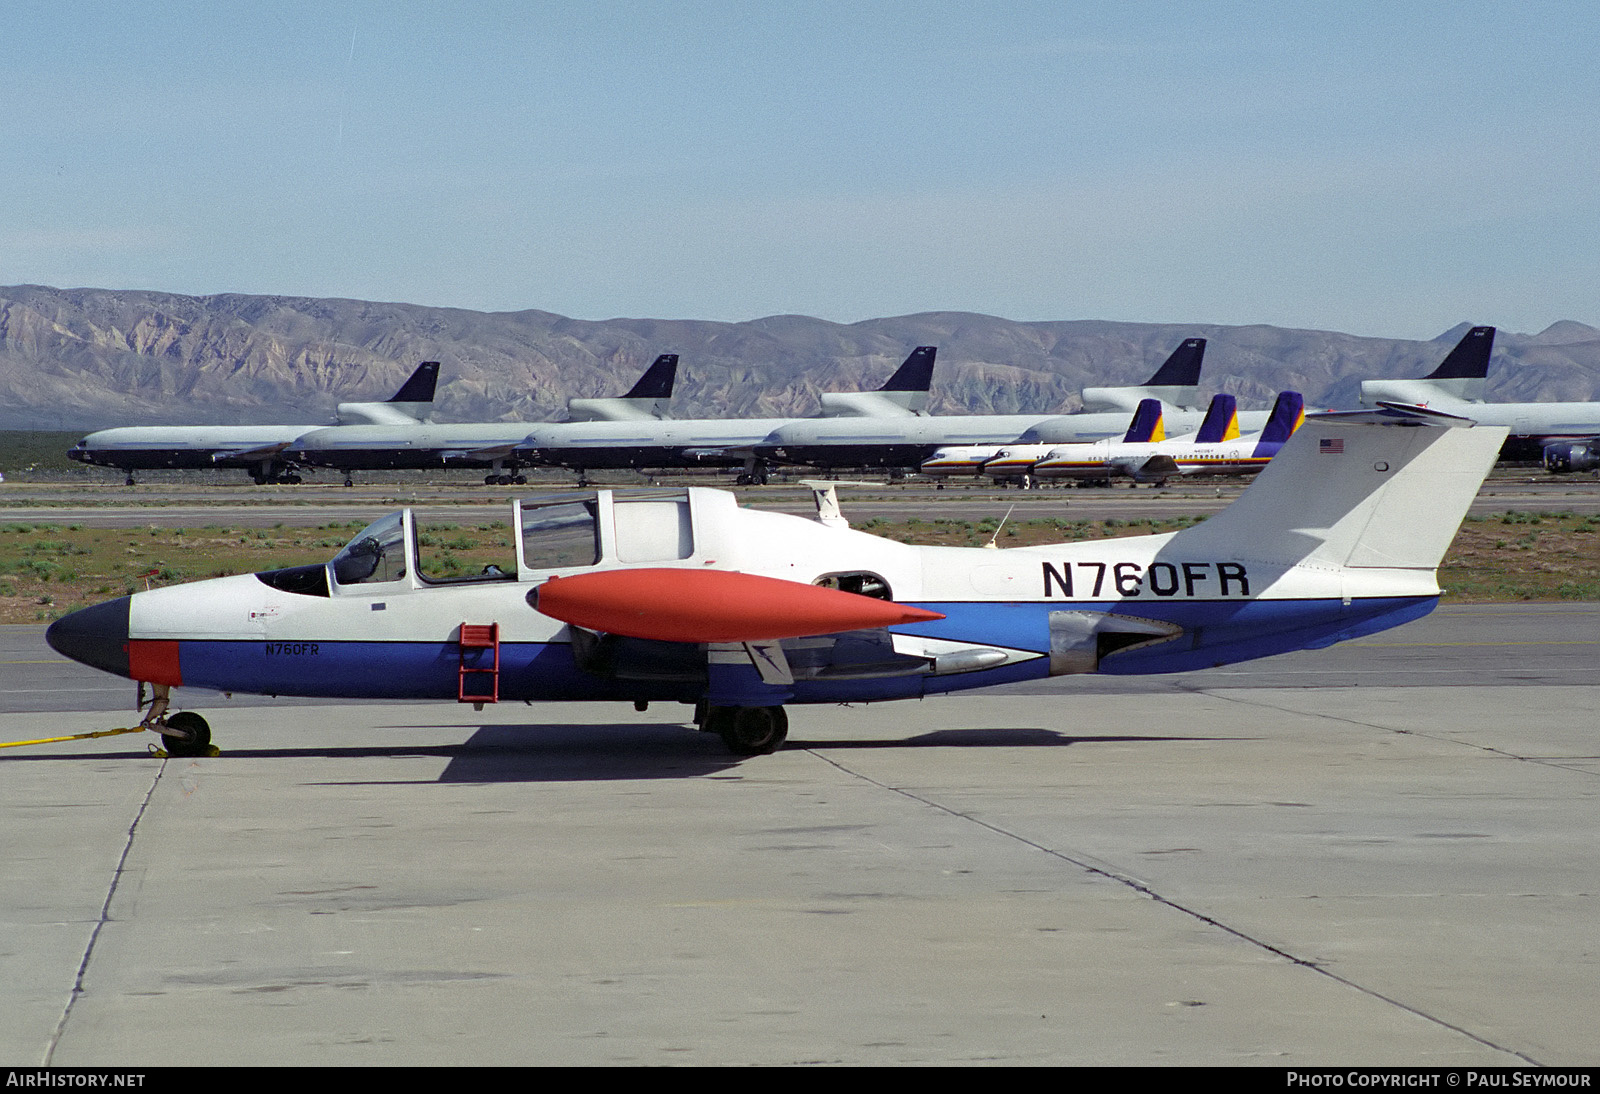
<point x="731" y="452"/>
<point x="250" y="455"/>
<point x="489" y="453"/>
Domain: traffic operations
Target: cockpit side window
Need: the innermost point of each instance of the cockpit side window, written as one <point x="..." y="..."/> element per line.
<point x="652" y="529"/>
<point x="377" y="554"/>
<point x="453" y="553"/>
<point x="561" y="535"/>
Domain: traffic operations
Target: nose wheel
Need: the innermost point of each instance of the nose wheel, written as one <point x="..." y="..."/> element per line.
<point x="196" y="739"/>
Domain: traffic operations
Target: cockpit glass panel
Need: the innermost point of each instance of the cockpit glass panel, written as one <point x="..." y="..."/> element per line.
<point x="560" y="535"/>
<point x="652" y="529"/>
<point x="377" y="554"/>
<point x="453" y="553"/>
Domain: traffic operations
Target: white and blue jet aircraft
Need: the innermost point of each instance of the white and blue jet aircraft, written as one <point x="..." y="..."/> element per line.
<point x="684" y="596"/>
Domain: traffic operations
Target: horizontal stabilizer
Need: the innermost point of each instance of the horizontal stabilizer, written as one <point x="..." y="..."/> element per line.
<point x="1388" y="413"/>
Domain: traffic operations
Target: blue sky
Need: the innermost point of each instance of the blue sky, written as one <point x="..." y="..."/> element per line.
<point x="1384" y="169"/>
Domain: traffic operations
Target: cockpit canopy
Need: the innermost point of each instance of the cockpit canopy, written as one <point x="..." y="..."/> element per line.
<point x="377" y="554"/>
<point x="549" y="534"/>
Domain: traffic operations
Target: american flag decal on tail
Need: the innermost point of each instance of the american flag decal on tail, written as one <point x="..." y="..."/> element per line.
<point x="1331" y="446"/>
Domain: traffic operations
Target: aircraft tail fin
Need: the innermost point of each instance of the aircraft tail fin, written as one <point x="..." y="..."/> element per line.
<point x="1469" y="360"/>
<point x="1147" y="424"/>
<point x="904" y="394"/>
<point x="1221" y="421"/>
<point x="656" y="383"/>
<point x="1356" y="491"/>
<point x="420" y="386"/>
<point x="1460" y="379"/>
<point x="1288" y="414"/>
<point x="915" y="373"/>
<point x="412" y="403"/>
<point x="647" y="398"/>
<point x="1175" y="382"/>
<point x="1182" y="368"/>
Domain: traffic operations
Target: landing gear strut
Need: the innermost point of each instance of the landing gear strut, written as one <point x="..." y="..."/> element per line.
<point x="748" y="731"/>
<point x="182" y="734"/>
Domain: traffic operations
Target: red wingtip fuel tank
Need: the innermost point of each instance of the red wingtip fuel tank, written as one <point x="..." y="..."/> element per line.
<point x="712" y="606"/>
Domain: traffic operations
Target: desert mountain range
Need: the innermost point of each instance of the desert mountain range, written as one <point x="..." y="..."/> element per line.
<point x="92" y="358"/>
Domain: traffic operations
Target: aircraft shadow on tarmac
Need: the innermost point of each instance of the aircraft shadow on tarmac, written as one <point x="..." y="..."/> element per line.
<point x="622" y="751"/>
<point x="566" y="753"/>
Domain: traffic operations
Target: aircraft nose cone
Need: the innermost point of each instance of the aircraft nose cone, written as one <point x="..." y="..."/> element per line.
<point x="96" y="636"/>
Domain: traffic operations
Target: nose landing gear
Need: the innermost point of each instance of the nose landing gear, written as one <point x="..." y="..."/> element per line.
<point x="182" y="734"/>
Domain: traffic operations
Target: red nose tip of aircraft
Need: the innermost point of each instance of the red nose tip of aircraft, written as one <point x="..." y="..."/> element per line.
<point x="712" y="606"/>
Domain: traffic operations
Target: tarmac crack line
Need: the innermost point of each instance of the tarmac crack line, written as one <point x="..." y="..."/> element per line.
<point x="1564" y="764"/>
<point x="105" y="917"/>
<point x="1148" y="893"/>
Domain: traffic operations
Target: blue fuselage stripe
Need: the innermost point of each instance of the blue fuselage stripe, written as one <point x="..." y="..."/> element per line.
<point x="1215" y="632"/>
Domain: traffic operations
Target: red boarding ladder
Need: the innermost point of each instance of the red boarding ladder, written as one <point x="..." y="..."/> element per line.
<point x="474" y="639"/>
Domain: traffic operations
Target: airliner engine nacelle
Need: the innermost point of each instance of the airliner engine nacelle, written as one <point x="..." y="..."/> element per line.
<point x="1567" y="456"/>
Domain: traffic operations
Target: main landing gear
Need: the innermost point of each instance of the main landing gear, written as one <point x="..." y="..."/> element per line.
<point x="748" y="731"/>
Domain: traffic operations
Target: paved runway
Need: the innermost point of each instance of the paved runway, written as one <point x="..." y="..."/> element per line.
<point x="1383" y="853"/>
<point x="191" y="505"/>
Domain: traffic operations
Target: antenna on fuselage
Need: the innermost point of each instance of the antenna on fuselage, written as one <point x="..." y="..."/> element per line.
<point x="992" y="544"/>
<point x="825" y="493"/>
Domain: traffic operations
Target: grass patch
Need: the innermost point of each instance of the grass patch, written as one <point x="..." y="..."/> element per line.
<point x="47" y="570"/>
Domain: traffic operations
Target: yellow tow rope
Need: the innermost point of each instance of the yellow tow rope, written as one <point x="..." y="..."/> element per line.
<point x="74" y="737"/>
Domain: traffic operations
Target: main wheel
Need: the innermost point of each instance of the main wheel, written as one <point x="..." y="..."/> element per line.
<point x="749" y="731"/>
<point x="198" y="740"/>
